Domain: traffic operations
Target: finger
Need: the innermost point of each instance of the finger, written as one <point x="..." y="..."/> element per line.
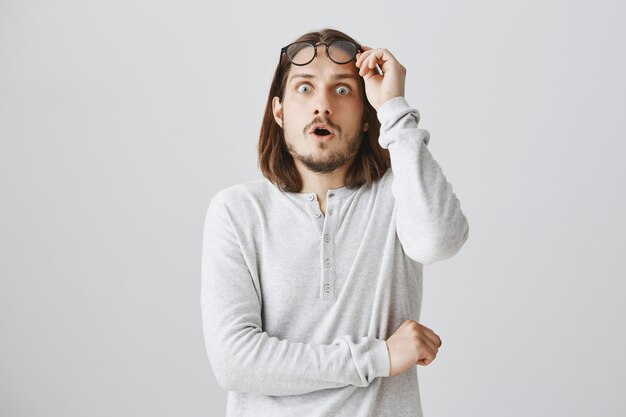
<point x="429" y="344"/>
<point x="433" y="337"/>
<point x="368" y="64"/>
<point x="367" y="51"/>
<point x="361" y="57"/>
<point x="367" y="72"/>
<point x="367" y="69"/>
<point x="429" y="335"/>
<point x="371" y="61"/>
<point x="428" y="358"/>
<point x="364" y="68"/>
<point x="392" y="56"/>
<point x="380" y="56"/>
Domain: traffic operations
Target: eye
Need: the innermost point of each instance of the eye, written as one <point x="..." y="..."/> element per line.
<point x="347" y="89"/>
<point x="302" y="85"/>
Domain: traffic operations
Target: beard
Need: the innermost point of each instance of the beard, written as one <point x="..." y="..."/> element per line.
<point x="323" y="160"/>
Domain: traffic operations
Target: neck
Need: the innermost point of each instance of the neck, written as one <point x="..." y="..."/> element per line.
<point x="314" y="182"/>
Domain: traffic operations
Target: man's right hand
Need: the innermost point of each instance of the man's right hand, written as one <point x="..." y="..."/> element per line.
<point x="412" y="344"/>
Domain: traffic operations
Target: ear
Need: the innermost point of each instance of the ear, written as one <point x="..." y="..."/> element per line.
<point x="277" y="110"/>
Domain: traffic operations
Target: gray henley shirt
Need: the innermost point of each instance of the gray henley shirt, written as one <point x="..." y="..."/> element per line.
<point x="297" y="305"/>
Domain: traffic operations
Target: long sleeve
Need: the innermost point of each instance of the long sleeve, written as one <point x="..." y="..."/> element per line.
<point x="244" y="357"/>
<point x="429" y="221"/>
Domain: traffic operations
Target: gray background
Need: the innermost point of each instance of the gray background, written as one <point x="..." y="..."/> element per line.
<point x="119" y="120"/>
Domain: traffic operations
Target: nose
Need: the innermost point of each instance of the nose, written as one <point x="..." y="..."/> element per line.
<point x="322" y="104"/>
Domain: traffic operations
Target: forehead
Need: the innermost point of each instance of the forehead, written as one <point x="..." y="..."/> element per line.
<point x="323" y="69"/>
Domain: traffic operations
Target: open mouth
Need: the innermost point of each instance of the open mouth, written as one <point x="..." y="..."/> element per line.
<point x="322" y="132"/>
<point x="322" y="135"/>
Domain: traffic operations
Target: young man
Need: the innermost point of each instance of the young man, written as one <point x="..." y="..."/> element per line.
<point x="312" y="277"/>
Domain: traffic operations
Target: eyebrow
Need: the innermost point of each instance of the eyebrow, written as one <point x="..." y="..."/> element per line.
<point x="333" y="76"/>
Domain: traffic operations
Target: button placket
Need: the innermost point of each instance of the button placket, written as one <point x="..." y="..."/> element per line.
<point x="314" y="208"/>
<point x="327" y="255"/>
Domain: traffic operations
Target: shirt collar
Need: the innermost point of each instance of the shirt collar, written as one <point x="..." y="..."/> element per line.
<point x="336" y="193"/>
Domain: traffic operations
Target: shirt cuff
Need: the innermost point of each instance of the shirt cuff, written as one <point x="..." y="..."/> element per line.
<point x="392" y="107"/>
<point x="381" y="359"/>
<point x="395" y="116"/>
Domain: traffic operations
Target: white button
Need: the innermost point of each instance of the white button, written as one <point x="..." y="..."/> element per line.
<point x="328" y="287"/>
<point x="311" y="197"/>
<point x="326" y="238"/>
<point x="327" y="263"/>
<point x="317" y="214"/>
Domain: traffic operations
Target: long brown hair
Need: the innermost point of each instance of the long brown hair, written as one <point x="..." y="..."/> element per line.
<point x="275" y="161"/>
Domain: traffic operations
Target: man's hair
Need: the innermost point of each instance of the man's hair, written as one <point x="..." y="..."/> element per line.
<point x="275" y="161"/>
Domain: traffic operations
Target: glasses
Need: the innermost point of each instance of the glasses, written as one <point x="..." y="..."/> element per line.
<point x="303" y="52"/>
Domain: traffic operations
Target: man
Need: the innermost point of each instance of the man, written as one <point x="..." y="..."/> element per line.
<point x="312" y="277"/>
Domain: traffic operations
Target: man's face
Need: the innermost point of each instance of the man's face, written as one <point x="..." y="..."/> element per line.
<point x="322" y="98"/>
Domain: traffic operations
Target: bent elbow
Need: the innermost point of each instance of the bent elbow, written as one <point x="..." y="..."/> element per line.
<point x="225" y="372"/>
<point x="223" y="364"/>
<point x="448" y="245"/>
<point x="441" y="247"/>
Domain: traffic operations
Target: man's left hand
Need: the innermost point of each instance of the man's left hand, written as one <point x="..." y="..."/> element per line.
<point x="380" y="88"/>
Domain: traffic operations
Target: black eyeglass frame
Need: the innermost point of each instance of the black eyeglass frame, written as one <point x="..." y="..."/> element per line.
<point x="283" y="50"/>
<point x="357" y="47"/>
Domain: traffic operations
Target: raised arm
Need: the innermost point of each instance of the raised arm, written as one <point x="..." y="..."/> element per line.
<point x="429" y="221"/>
<point x="243" y="356"/>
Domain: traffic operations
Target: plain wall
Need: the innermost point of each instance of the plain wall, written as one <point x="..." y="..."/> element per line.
<point x="119" y="120"/>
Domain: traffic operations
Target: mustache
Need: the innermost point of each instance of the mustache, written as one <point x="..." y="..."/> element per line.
<point x="328" y="122"/>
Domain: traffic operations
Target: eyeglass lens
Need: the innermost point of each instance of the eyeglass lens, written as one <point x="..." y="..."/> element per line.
<point x="340" y="52"/>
